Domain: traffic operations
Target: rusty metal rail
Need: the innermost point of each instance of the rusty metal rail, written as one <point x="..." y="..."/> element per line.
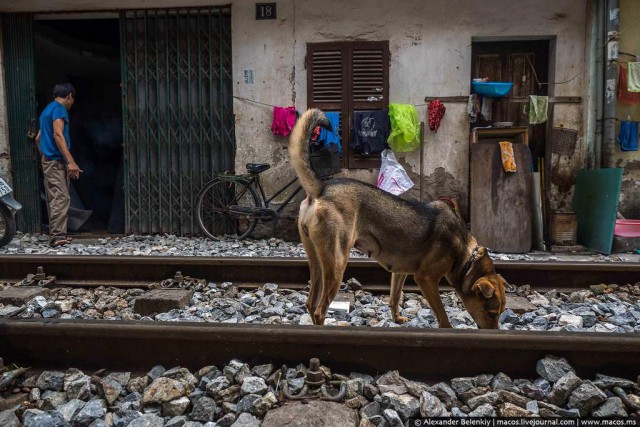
<point x="428" y="354"/>
<point x="290" y="271"/>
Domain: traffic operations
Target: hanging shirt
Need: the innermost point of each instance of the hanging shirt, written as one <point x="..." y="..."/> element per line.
<point x="283" y="120"/>
<point x="370" y="131"/>
<point x="628" y="136"/>
<point x="53" y="111"/>
<point x="327" y="137"/>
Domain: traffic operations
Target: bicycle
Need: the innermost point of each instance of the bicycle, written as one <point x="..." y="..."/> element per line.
<point x="232" y="203"/>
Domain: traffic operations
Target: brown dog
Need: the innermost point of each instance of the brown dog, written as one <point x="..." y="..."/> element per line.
<point x="426" y="240"/>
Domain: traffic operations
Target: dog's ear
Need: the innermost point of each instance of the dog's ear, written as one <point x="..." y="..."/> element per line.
<point x="483" y="287"/>
<point x="482" y="251"/>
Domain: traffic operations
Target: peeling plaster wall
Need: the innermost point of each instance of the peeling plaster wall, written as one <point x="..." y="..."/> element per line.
<point x="430" y="46"/>
<point x="629" y="205"/>
<point x="430" y="56"/>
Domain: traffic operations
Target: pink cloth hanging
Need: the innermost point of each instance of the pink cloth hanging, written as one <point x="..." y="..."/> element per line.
<point x="283" y="120"/>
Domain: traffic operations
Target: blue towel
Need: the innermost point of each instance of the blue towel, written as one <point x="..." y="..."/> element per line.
<point x="628" y="136"/>
<point x="327" y="137"/>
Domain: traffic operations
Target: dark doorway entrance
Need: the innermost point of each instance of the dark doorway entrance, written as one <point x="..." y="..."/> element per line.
<point x="525" y="63"/>
<point x="86" y="53"/>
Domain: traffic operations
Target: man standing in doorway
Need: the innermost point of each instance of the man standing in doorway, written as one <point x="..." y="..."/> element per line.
<point x="57" y="163"/>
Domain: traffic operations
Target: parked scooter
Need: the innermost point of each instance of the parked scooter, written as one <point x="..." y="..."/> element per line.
<point x="8" y="207"/>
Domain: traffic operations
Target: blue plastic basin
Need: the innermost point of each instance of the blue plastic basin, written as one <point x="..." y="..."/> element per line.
<point x="494" y="89"/>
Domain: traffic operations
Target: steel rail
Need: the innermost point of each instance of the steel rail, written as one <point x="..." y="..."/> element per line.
<point x="426" y="354"/>
<point x="292" y="272"/>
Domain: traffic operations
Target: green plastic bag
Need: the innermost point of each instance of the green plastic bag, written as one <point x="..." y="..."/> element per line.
<point x="405" y="128"/>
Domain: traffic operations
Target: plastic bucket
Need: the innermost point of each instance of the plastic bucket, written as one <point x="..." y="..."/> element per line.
<point x="563" y="228"/>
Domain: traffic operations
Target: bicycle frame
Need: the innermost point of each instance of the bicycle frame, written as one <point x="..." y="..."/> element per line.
<point x="254" y="179"/>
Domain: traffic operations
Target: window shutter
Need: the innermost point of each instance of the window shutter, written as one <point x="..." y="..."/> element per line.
<point x="326" y="67"/>
<point x="346" y="77"/>
<point x="369" y="82"/>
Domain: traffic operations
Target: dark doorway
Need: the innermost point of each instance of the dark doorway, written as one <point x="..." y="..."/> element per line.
<point x="525" y="63"/>
<point x="86" y="53"/>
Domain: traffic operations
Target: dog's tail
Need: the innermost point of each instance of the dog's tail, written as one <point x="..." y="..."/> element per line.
<point x="299" y="149"/>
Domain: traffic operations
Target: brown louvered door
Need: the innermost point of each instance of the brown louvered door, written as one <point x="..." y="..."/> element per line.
<point x="347" y="77"/>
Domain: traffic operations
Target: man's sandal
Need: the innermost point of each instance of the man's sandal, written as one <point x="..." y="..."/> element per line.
<point x="58" y="241"/>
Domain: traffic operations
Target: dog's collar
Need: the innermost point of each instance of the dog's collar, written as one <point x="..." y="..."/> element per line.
<point x="470" y="261"/>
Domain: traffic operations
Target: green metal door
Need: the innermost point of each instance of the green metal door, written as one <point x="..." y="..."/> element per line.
<point x="178" y="117"/>
<point x="17" y="39"/>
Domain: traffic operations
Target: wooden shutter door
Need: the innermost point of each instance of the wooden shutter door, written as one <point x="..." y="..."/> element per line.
<point x="369" y="77"/>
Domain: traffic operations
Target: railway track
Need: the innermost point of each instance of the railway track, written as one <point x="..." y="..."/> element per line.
<point x="419" y="353"/>
<point x="292" y="272"/>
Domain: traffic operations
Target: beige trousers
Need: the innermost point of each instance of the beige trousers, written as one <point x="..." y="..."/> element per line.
<point x="56" y="185"/>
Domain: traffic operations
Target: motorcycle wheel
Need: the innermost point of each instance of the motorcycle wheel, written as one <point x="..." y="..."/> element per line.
<point x="7" y="225"/>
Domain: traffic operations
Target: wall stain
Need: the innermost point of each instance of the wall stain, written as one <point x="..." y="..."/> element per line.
<point x="443" y="183"/>
<point x="629" y="205"/>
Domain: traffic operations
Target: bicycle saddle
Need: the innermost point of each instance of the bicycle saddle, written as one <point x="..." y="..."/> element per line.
<point x="257" y="167"/>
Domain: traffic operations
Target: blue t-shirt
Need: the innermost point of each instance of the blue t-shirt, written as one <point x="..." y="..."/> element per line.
<point x="54" y="111"/>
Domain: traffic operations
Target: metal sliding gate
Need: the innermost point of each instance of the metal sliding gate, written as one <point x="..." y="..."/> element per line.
<point x="17" y="38"/>
<point x="177" y="108"/>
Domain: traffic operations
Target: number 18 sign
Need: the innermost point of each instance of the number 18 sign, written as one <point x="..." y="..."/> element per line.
<point x="265" y="11"/>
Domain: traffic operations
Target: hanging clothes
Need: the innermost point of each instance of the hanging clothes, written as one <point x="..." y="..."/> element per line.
<point x="507" y="156"/>
<point x="327" y="137"/>
<point x="473" y="107"/>
<point x="633" y="76"/>
<point x="370" y="131"/>
<point x="624" y="96"/>
<point x="436" y="111"/>
<point x="405" y="128"/>
<point x="538" y="107"/>
<point x="283" y="120"/>
<point x="487" y="108"/>
<point x="628" y="136"/>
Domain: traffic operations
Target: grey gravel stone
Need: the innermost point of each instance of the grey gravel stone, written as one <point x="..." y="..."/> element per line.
<point x="612" y="407"/>
<point x="253" y="385"/>
<point x="607" y="382"/>
<point x="109" y="389"/>
<point x="204" y="410"/>
<point x="90" y="411"/>
<point x="246" y="420"/>
<point x="405" y="405"/>
<point x="70" y="409"/>
<point x="176" y="421"/>
<point x="9" y="419"/>
<point x="552" y="368"/>
<point x="163" y="390"/>
<point x="563" y="388"/>
<point x="175" y="407"/>
<point x="431" y="406"/>
<point x="392" y="418"/>
<point x="462" y="384"/>
<point x="147" y="420"/>
<point x="586" y="397"/>
<point x="392" y="382"/>
<point x="38" y="418"/>
<point x="53" y="399"/>
<point x="485" y="410"/>
<point x="51" y="380"/>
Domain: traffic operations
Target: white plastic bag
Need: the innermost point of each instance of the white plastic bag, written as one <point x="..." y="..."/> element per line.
<point x="393" y="178"/>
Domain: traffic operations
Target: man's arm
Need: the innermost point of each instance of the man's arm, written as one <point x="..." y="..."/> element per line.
<point x="37" y="142"/>
<point x="61" y="143"/>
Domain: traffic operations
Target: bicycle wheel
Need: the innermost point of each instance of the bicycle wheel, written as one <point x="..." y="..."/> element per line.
<point x="215" y="217"/>
<point x="7" y="225"/>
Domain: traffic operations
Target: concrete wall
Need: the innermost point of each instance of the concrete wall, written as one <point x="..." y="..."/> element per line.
<point x="430" y="45"/>
<point x="629" y="205"/>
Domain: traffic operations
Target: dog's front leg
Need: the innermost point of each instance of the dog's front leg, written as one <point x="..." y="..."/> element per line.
<point x="429" y="288"/>
<point x="397" y="282"/>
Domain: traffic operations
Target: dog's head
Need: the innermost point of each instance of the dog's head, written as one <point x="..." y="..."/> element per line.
<point x="484" y="296"/>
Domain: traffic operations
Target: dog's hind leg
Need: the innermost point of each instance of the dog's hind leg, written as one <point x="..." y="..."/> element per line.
<point x="315" y="270"/>
<point x="397" y="281"/>
<point x="429" y="288"/>
<point x="334" y="256"/>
